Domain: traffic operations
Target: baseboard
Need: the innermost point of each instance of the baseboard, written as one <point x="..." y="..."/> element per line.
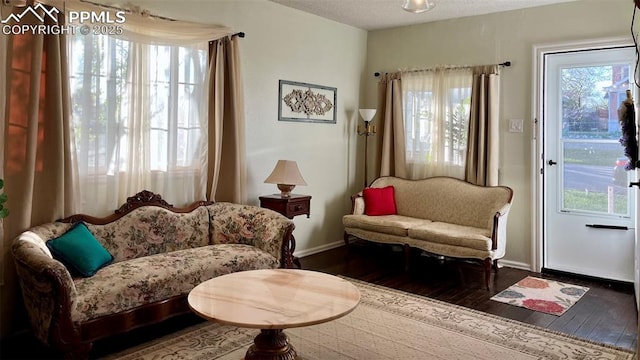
<point x="336" y="244"/>
<point x="515" y="264"/>
<point x="317" y="249"/>
<point x="506" y="263"/>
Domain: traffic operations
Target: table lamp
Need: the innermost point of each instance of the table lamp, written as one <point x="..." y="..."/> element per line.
<point x="286" y="175"/>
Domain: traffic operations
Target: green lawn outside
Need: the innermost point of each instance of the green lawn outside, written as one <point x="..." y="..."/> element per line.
<point x="593" y="201"/>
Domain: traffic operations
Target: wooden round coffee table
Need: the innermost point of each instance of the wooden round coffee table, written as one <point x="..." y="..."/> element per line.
<point x="272" y="300"/>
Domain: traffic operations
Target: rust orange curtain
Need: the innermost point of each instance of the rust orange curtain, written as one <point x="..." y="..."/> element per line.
<point x="37" y="156"/>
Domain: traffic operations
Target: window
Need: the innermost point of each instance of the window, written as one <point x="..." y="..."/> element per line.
<point x="436" y="115"/>
<point x="137" y="119"/>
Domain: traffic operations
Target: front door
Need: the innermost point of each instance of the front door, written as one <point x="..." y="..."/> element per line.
<point x="589" y="210"/>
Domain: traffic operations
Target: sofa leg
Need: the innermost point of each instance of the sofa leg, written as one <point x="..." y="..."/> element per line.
<point x="407" y="256"/>
<point x="487" y="271"/>
<point x="346" y="239"/>
<point x="495" y="265"/>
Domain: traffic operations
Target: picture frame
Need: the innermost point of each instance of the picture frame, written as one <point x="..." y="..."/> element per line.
<point x="298" y="101"/>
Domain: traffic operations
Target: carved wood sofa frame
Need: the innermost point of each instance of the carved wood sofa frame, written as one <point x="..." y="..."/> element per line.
<point x="498" y="234"/>
<point x="76" y="340"/>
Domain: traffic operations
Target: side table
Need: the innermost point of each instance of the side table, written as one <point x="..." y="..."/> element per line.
<point x="290" y="207"/>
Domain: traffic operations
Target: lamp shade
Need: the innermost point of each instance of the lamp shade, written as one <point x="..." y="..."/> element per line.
<point x="417" y="6"/>
<point x="287" y="175"/>
<point x="367" y="114"/>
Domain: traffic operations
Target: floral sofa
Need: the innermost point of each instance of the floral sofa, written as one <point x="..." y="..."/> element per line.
<point x="159" y="253"/>
<point x="440" y="215"/>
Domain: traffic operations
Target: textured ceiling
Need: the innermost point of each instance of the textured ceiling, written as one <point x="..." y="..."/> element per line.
<point x="381" y="14"/>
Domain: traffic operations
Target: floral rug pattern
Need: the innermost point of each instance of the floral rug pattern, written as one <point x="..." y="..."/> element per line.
<point x="387" y="325"/>
<point x="547" y="296"/>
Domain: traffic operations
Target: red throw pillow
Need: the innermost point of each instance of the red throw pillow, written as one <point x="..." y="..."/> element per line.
<point x="379" y="201"/>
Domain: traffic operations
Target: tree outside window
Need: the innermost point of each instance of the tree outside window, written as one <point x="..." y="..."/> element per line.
<point x="137" y="117"/>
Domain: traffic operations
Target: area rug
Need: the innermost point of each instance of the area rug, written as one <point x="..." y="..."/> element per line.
<point x="547" y="296"/>
<point x="388" y="324"/>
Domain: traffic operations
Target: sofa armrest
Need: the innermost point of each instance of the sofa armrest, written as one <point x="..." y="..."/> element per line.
<point x="47" y="286"/>
<point x="244" y="224"/>
<point x="357" y="204"/>
<point x="499" y="232"/>
<point x="504" y="210"/>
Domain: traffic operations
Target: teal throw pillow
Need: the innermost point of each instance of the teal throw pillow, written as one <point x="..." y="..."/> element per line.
<point x="79" y="250"/>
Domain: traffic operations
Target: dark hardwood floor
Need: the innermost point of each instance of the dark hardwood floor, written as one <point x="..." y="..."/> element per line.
<point x="606" y="314"/>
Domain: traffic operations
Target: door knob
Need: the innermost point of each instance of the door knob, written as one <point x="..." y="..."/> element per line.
<point x="635" y="183"/>
<point x="551" y="162"/>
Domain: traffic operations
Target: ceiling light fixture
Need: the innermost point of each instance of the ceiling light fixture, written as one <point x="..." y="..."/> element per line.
<point x="418" y="6"/>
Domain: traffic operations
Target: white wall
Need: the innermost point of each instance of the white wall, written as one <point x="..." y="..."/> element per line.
<point x="287" y="44"/>
<point x="496" y="38"/>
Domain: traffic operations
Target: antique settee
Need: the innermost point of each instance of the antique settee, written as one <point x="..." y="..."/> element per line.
<point x="155" y="255"/>
<point x="440" y="215"/>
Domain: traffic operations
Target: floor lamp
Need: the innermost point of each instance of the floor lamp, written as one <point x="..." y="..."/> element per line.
<point x="368" y="130"/>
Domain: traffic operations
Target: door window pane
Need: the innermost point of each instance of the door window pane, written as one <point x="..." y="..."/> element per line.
<point x="593" y="177"/>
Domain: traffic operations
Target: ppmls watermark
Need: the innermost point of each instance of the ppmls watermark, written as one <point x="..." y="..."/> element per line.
<point x="82" y="22"/>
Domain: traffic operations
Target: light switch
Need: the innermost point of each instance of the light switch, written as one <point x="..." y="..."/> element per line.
<point x="516" y="125"/>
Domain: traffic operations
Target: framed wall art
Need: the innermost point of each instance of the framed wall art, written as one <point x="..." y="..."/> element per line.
<point x="306" y="102"/>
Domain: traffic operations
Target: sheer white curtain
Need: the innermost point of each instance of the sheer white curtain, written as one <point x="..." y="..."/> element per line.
<point x="140" y="111"/>
<point x="140" y="26"/>
<point x="436" y="119"/>
<point x="137" y="115"/>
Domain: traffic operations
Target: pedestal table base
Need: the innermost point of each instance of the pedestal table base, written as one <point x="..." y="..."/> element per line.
<point x="271" y="344"/>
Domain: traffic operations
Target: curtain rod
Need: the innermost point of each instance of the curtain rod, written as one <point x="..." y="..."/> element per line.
<point x="506" y="64"/>
<point x="143" y="12"/>
<point x="132" y="10"/>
